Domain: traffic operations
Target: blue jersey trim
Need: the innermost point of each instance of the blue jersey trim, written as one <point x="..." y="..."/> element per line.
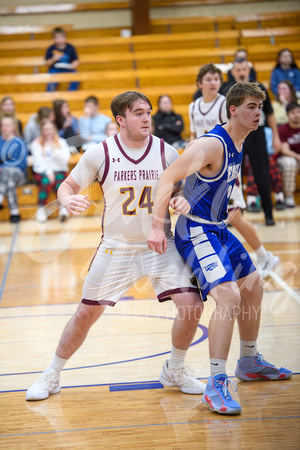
<point x="221" y="173"/>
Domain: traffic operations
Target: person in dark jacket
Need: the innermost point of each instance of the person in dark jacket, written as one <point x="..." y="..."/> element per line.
<point x="167" y="124"/>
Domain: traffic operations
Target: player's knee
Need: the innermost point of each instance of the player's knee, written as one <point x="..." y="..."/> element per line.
<point x="88" y="314"/>
<point x="229" y="304"/>
<point x="190" y="307"/>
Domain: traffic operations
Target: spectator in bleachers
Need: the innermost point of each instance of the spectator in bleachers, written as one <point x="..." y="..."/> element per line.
<point x="255" y="143"/>
<point x="242" y="53"/>
<point x="289" y="157"/>
<point x="92" y="124"/>
<point x="61" y="57"/>
<point x="285" y="94"/>
<point x="13" y="165"/>
<point x="66" y="124"/>
<point x="8" y="108"/>
<point x="50" y="158"/>
<point x="285" y="69"/>
<point x="167" y="124"/>
<point x="32" y="129"/>
<point x="111" y="129"/>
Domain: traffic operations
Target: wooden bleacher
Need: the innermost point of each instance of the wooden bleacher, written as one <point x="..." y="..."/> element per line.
<point x="29" y="32"/>
<point x="156" y="64"/>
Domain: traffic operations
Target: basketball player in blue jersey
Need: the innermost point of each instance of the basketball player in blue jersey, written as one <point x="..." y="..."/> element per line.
<point x="220" y="263"/>
<point x="127" y="166"/>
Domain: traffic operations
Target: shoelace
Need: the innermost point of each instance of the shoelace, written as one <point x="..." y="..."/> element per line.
<point x="185" y="370"/>
<point x="225" y="386"/>
<point x="261" y="359"/>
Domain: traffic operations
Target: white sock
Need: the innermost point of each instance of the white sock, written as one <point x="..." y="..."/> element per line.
<point x="217" y="366"/>
<point x="248" y="348"/>
<point x="261" y="252"/>
<point x="14" y="212"/>
<point x="58" y="363"/>
<point x="177" y="357"/>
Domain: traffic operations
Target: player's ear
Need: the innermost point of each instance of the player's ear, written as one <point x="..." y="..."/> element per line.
<point x="120" y="120"/>
<point x="233" y="110"/>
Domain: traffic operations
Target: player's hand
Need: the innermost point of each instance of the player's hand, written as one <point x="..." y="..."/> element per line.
<point x="157" y="241"/>
<point x="180" y="205"/>
<point x="76" y="204"/>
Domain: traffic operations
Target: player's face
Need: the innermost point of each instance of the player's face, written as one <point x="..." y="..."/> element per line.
<point x="210" y="83"/>
<point x="137" y="122"/>
<point x="249" y="112"/>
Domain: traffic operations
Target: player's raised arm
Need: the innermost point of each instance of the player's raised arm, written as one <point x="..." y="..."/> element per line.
<point x="69" y="197"/>
<point x="199" y="154"/>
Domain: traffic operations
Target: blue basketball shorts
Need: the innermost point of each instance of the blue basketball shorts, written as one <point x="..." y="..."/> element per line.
<point x="214" y="254"/>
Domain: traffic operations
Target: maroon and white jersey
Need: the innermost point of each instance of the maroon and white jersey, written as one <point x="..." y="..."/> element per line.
<point x="205" y="116"/>
<point x="128" y="178"/>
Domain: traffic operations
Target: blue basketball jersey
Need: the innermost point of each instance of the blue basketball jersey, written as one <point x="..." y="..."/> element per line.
<point x="209" y="197"/>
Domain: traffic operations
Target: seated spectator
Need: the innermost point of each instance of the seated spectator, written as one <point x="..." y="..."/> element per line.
<point x="66" y="124"/>
<point x="92" y="125"/>
<point x="285" y="94"/>
<point x="285" y="69"/>
<point x="13" y="165"/>
<point x="111" y="129"/>
<point x="32" y="129"/>
<point x="50" y="158"/>
<point x="289" y="157"/>
<point x="167" y="124"/>
<point x="8" y="108"/>
<point x="61" y="57"/>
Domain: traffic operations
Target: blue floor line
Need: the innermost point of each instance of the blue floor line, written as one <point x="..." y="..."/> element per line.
<point x="120" y="427"/>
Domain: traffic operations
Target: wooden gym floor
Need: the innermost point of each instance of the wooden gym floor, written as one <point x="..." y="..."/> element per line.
<point x="110" y="396"/>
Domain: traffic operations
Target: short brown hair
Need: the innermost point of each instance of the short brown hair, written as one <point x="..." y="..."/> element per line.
<point x="291" y="106"/>
<point x="58" y="30"/>
<point x="125" y="101"/>
<point x="239" y="91"/>
<point x="92" y="99"/>
<point x="208" y="68"/>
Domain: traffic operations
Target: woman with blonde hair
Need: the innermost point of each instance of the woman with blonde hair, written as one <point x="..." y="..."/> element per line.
<point x="50" y="158"/>
<point x="8" y="109"/>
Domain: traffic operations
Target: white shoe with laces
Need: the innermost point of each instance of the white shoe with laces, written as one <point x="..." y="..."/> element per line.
<point x="47" y="384"/>
<point x="181" y="377"/>
<point x="264" y="266"/>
